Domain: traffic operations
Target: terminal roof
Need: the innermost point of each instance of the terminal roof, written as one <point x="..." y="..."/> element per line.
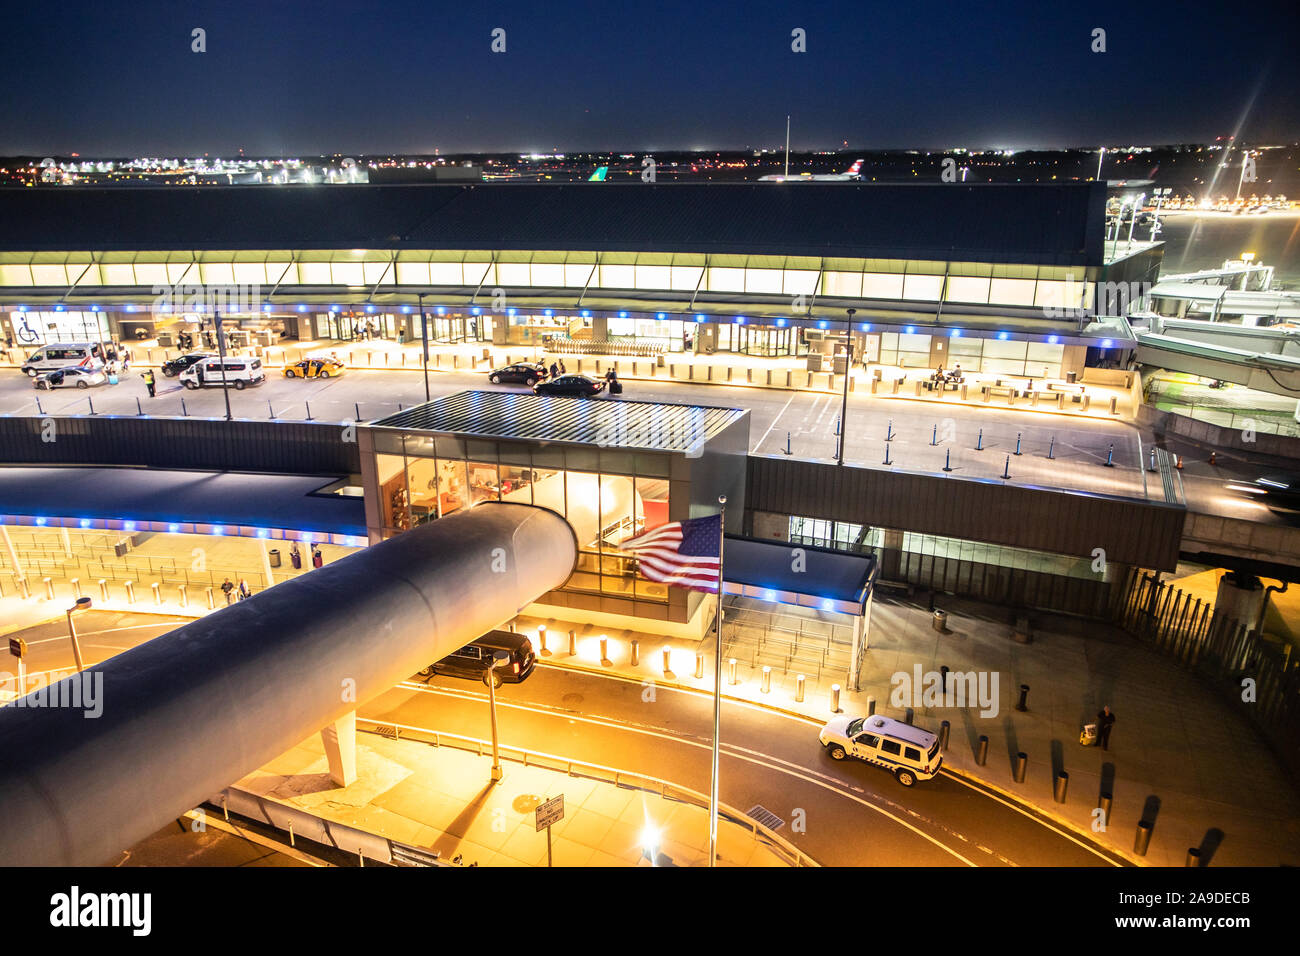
<point x="611" y="423"/>
<point x="1036" y="223"/>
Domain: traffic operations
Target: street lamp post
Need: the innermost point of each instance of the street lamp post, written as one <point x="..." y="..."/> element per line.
<point x="1100" y="156"/>
<point x="83" y="604"/>
<point x="498" y="658"/>
<point x="848" y="370"/>
<point x="221" y="351"/>
<point x="717" y="692"/>
<point x="424" y="338"/>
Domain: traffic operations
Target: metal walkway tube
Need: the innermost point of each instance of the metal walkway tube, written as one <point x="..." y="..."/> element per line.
<point x="197" y="709"/>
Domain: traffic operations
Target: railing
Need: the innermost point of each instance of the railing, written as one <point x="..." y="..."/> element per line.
<point x="790" y="853"/>
<point x="1260" y="421"/>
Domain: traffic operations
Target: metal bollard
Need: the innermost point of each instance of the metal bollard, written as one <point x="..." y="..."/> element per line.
<point x="731" y="670"/>
<point x="212" y="600"/>
<point x="767" y="679"/>
<point x="945" y="728"/>
<point x="185" y="598"/>
<point x="103" y="589"/>
<point x="1193" y="854"/>
<point x="799" y="682"/>
<point x="1022" y="762"/>
<point x="909" y="715"/>
<point x="1024" y="694"/>
<point x="1061" y="785"/>
<point x="24" y="587"/>
<point x="157" y="593"/>
<point x="49" y="588"/>
<point x="636" y="652"/>
<point x="982" y="754"/>
<point x="604" y="648"/>
<point x="573" y="643"/>
<point x="541" y="642"/>
<point x="1143" y="838"/>
<point x="668" y="660"/>
<point x="835" y="698"/>
<point x="943" y="677"/>
<point x="699" y="665"/>
<point x="130" y="591"/>
<point x="76" y="587"/>
<point x="871" y="706"/>
<point x="1104" y="805"/>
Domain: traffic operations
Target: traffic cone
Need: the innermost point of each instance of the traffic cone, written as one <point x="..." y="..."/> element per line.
<point x="1213" y="456"/>
<point x="1178" y="462"/>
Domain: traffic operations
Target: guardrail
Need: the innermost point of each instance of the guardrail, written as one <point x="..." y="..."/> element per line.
<point x="577" y="768"/>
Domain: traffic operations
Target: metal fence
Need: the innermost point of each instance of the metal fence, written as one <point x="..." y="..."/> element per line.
<point x="1220" y="649"/>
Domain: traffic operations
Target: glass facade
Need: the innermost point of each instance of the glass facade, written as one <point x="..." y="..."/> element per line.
<point x="607" y="495"/>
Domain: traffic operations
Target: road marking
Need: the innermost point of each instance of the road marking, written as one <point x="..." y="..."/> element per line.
<point x="774" y="421"/>
<point x="107" y="630"/>
<point x="771" y="763"/>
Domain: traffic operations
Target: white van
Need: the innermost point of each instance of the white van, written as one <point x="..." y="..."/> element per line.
<point x="239" y="372"/>
<point x="908" y="752"/>
<point x="62" y="354"/>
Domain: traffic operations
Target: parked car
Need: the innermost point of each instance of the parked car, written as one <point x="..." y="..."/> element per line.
<point x="314" y="368"/>
<point x="173" y="367"/>
<point x="474" y="660"/>
<point x="579" y="385"/>
<point x="82" y="376"/>
<point x="239" y="372"/>
<point x="908" y="752"/>
<point x="527" y="373"/>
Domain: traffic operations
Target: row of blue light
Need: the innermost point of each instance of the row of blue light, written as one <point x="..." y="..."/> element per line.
<point x="700" y="317"/>
<point x="218" y="530"/>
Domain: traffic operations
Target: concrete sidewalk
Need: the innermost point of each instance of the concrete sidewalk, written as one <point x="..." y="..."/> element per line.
<point x="440" y="798"/>
<point x="1179" y="755"/>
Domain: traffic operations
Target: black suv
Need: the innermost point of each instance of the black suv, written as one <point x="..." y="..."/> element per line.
<point x="526" y="373"/>
<point x="579" y="385"/>
<point x="473" y="660"/>
<point x="174" y="367"/>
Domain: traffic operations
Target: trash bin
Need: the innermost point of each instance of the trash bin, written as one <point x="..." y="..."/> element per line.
<point x="940" y="621"/>
<point x="275" y="557"/>
<point x="1071" y="377"/>
<point x="659" y="361"/>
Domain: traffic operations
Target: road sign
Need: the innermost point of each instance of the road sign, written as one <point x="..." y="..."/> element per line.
<point x="18" y="648"/>
<point x="550" y="812"/>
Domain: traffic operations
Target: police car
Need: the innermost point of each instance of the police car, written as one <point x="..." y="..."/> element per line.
<point x="908" y="752"/>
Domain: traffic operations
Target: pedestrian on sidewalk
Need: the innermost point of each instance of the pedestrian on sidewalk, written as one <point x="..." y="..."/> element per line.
<point x="317" y="559"/>
<point x="244" y="592"/>
<point x="227" y="586"/>
<point x="149" y="383"/>
<point x="1105" y="719"/>
<point x="295" y="557"/>
<point x="562" y="370"/>
<point x="555" y="370"/>
<point x="126" y="360"/>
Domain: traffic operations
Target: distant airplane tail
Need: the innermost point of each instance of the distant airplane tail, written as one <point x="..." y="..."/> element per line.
<point x="856" y="168"/>
<point x="599" y="175"/>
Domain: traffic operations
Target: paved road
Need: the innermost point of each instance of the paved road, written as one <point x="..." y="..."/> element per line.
<point x="855" y="814"/>
<point x="101" y="634"/>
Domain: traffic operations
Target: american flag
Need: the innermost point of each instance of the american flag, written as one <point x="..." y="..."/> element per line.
<point x="684" y="553"/>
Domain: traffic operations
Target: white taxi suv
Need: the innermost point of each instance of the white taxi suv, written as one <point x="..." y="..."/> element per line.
<point x="908" y="752"/>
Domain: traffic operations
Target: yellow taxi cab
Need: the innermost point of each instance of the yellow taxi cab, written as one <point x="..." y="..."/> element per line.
<point x="318" y="367"/>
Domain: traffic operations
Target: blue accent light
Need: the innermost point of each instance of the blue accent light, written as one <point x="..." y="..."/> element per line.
<point x="218" y="529"/>
<point x="173" y="528"/>
<point x="1052" y="339"/>
<point x="780" y="323"/>
<point x="335" y="308"/>
<point x="441" y="310"/>
<point x="406" y="310"/>
<point x="586" y="314"/>
<point x="1106" y="343"/>
<point x="58" y="308"/>
<point x="1003" y="336"/>
<point x="909" y="329"/>
<point x="370" y="308"/>
<point x="475" y="311"/>
<point x="41" y="522"/>
<point x="955" y="334"/>
<point x="85" y="522"/>
<point x="549" y="312"/>
<point x="659" y="315"/>
<point x="129" y="308"/>
<point x="510" y="311"/>
<point x="828" y="605"/>
<point x="302" y="308"/>
<point x="823" y="324"/>
<point x="94" y="308"/>
<point x="22" y="308"/>
<point x="263" y="533"/>
<point x="128" y="526"/>
<point x="865" y="327"/>
<point x="622" y="315"/>
<point x="769" y="595"/>
<point x="739" y="320"/>
<point x="699" y="317"/>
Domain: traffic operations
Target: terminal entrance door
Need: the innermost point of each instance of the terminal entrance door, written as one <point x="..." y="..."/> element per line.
<point x="764" y="340"/>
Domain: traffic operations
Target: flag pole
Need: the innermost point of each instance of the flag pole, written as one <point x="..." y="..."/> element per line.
<point x="717" y="689"/>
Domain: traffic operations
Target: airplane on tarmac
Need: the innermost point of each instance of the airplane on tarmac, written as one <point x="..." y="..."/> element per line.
<point x="852" y="174"/>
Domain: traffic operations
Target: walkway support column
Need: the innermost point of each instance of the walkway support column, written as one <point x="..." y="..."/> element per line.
<point x="340" y="741"/>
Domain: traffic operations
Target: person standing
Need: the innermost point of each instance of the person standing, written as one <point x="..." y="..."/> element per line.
<point x="1105" y="720"/>
<point x="295" y="557"/>
<point x="149" y="383"/>
<point x="126" y="360"/>
<point x="244" y="592"/>
<point x="227" y="586"/>
<point x="555" y="371"/>
<point x="317" y="559"/>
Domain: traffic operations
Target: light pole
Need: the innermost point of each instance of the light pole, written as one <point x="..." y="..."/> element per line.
<point x="83" y="604"/>
<point x="424" y="338"/>
<point x="498" y="658"/>
<point x="848" y="370"/>
<point x="717" y="691"/>
<point x="221" y="351"/>
<point x="1100" y="156"/>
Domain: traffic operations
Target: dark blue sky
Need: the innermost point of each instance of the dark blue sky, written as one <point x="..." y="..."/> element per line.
<point x="282" y="76"/>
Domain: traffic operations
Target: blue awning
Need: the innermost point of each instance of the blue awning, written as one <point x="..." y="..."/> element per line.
<point x="786" y="573"/>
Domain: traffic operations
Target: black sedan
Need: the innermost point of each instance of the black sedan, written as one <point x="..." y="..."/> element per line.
<point x="174" y="367"/>
<point x="526" y="373"/>
<point x="579" y="385"/>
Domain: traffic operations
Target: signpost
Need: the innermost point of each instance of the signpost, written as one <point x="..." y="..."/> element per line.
<point x="548" y="813"/>
<point x="18" y="648"/>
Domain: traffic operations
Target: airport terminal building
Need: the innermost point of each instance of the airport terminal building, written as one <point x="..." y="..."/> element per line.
<point x="996" y="278"/>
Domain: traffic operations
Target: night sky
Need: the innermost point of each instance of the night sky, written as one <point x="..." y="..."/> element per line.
<point x="282" y="77"/>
